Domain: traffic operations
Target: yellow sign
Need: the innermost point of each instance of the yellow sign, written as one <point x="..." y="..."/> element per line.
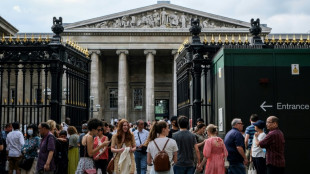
<point x="295" y="69"/>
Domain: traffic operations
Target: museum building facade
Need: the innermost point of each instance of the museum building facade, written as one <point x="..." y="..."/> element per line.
<point x="133" y="69"/>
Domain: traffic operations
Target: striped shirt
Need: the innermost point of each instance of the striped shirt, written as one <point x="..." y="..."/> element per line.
<point x="251" y="131"/>
<point x="274" y="144"/>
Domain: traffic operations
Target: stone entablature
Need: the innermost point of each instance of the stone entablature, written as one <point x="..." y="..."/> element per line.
<point x="6" y="28"/>
<point x="157" y="17"/>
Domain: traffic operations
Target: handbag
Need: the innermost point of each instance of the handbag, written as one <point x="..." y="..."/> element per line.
<point x="90" y="171"/>
<point x="252" y="169"/>
<point x="7" y="165"/>
<point x="143" y="148"/>
<point x="25" y="163"/>
<point x="110" y="167"/>
<point x="226" y="163"/>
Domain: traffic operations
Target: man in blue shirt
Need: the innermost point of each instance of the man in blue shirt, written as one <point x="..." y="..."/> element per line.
<point x="140" y="154"/>
<point x="234" y="143"/>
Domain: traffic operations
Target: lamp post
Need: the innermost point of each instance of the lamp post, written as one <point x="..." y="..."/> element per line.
<point x="97" y="106"/>
<point x="195" y="54"/>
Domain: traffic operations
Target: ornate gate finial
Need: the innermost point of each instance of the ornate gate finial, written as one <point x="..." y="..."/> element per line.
<point x="57" y="27"/>
<point x="255" y="30"/>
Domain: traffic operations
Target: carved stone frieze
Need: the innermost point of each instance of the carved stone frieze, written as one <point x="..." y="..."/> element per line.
<point x="159" y="18"/>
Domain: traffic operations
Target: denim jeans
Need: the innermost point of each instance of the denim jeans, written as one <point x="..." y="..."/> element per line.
<point x="236" y="169"/>
<point x="183" y="170"/>
<point x="141" y="165"/>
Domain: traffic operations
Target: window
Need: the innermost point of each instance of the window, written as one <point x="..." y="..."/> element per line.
<point x="38" y="95"/>
<point x="12" y="95"/>
<point x="137" y="98"/>
<point x="113" y="98"/>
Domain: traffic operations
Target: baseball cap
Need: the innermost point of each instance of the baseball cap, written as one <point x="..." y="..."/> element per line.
<point x="260" y="124"/>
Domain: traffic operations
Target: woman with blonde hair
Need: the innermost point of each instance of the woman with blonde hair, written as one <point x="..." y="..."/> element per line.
<point x="123" y="144"/>
<point x="52" y="125"/>
<point x="73" y="153"/>
<point x="158" y="137"/>
<point x="214" y="151"/>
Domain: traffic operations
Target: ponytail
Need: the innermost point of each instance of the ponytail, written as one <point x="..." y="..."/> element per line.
<point x="157" y="128"/>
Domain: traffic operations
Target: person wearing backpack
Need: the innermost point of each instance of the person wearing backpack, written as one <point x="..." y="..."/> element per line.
<point x="46" y="162"/>
<point x="161" y="150"/>
<point x="61" y="157"/>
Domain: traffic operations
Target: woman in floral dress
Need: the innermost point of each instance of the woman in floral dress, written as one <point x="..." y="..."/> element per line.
<point x="214" y="152"/>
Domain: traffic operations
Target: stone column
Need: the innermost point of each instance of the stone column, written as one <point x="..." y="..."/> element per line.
<point x="94" y="83"/>
<point x="174" y="73"/>
<point x="122" y="83"/>
<point x="149" y="85"/>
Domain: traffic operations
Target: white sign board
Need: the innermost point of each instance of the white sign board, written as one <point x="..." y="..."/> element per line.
<point x="285" y="106"/>
<point x="220" y="123"/>
<point x="295" y="69"/>
<point x="220" y="72"/>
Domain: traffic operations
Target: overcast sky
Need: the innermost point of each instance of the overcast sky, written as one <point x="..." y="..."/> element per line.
<point x="283" y="16"/>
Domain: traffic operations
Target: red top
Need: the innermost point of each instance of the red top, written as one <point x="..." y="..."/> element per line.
<point x="105" y="154"/>
<point x="274" y="144"/>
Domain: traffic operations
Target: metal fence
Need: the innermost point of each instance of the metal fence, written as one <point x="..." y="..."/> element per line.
<point x="43" y="79"/>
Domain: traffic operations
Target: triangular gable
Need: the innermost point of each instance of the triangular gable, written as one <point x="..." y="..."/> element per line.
<point x="159" y="16"/>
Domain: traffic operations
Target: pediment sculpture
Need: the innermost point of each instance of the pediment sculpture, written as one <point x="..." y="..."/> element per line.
<point x="159" y="18"/>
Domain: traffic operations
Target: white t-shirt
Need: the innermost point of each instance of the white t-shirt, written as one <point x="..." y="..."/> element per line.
<point x="171" y="147"/>
<point x="256" y="150"/>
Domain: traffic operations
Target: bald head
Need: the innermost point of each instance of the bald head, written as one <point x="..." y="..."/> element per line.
<point x="274" y="119"/>
<point x="272" y="122"/>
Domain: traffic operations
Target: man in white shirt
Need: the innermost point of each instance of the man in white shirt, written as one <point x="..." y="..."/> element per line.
<point x="15" y="142"/>
<point x="140" y="154"/>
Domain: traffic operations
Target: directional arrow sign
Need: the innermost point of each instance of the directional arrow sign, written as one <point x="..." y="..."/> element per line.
<point x="263" y="106"/>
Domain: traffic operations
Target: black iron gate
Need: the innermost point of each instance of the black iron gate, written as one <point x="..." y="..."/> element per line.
<point x="43" y="79"/>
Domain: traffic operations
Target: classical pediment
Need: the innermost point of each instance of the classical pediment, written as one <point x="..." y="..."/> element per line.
<point x="159" y="16"/>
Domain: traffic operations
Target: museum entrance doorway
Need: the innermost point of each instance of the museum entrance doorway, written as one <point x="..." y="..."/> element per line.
<point x="161" y="108"/>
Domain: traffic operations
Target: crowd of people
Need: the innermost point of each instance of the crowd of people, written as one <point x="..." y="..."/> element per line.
<point x="168" y="146"/>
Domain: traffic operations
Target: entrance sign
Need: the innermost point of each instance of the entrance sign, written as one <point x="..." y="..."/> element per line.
<point x="263" y="106"/>
<point x="285" y="106"/>
<point x="295" y="69"/>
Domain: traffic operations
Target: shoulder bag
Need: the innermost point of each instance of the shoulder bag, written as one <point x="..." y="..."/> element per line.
<point x="110" y="167"/>
<point x="25" y="163"/>
<point x="143" y="148"/>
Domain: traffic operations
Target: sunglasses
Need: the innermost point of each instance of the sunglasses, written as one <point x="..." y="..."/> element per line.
<point x="100" y="129"/>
